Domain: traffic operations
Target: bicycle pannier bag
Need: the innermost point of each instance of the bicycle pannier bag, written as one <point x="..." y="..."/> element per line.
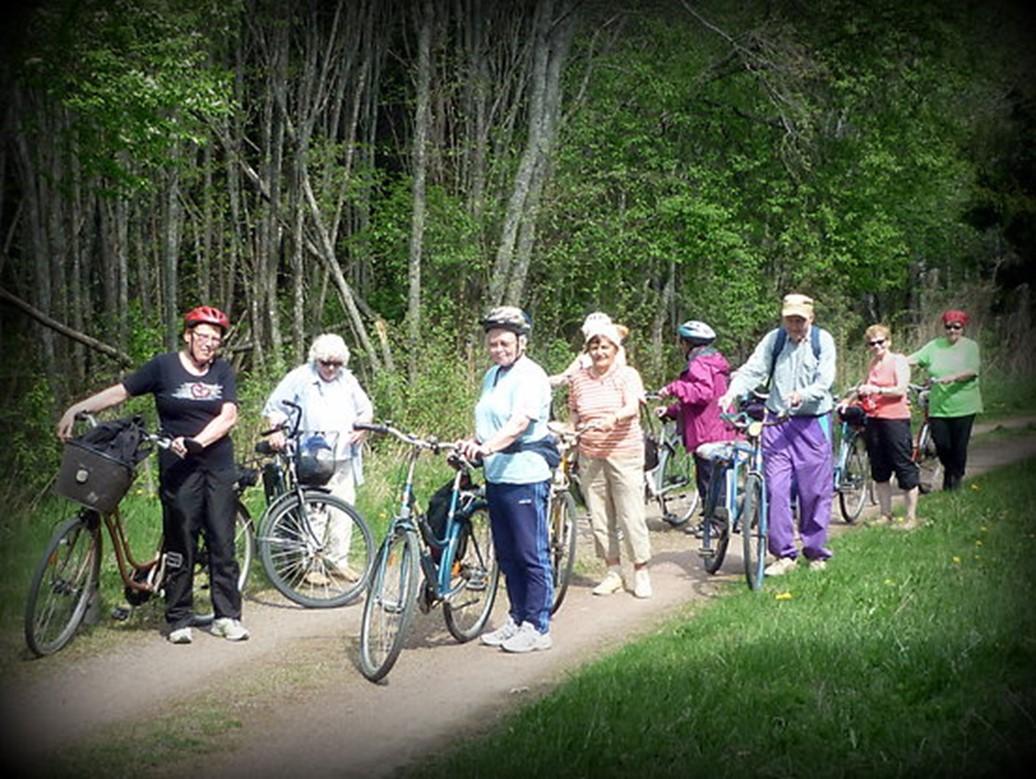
<point x="650" y="453"/>
<point x="98" y="467"/>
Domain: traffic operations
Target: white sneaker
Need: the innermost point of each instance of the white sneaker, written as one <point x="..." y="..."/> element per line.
<point x="611" y="583"/>
<point x="230" y="629"/>
<point x="497" y="637"/>
<point x="781" y="566"/>
<point x="527" y="639"/>
<point x="181" y="636"/>
<point x="641" y="583"/>
<point x="817" y="565"/>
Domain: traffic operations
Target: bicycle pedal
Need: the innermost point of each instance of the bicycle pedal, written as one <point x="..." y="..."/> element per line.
<point x="705" y="554"/>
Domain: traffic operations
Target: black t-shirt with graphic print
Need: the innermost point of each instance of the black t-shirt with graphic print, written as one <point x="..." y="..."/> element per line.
<point x="187" y="403"/>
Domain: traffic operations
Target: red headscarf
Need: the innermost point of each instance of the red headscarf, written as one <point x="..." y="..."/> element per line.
<point x="955" y="315"/>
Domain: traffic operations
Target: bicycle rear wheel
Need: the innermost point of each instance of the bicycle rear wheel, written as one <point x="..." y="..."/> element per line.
<point x="563" y="539"/>
<point x="852" y="490"/>
<point x="930" y="469"/>
<point x="390" y="605"/>
<point x="65" y="580"/>
<point x="678" y="492"/>
<point x="318" y="551"/>
<point x="753" y="531"/>
<point x="474" y="580"/>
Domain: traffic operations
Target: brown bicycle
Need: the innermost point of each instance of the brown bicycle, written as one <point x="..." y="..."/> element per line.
<point x="65" y="583"/>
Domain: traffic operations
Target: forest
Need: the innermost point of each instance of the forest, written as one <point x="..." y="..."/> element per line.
<point x="389" y="169"/>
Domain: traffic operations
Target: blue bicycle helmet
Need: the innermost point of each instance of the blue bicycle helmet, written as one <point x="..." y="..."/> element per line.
<point x="696" y="332"/>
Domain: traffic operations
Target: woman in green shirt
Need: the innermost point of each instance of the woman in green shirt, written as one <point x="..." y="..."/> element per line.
<point x="952" y="362"/>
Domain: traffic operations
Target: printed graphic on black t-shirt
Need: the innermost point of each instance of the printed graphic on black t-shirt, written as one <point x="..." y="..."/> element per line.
<point x="187" y="403"/>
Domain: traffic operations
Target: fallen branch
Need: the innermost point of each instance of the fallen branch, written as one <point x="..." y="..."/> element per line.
<point x="75" y="335"/>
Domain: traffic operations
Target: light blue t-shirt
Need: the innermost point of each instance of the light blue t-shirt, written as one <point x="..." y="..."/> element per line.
<point x="521" y="389"/>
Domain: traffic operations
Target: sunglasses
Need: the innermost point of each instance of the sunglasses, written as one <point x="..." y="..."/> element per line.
<point x="954" y="326"/>
<point x="331" y="363"/>
<point x="876" y="342"/>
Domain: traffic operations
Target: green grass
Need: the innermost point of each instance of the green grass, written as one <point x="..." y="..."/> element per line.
<point x="913" y="654"/>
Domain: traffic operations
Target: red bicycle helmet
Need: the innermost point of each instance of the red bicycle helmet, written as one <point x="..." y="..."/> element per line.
<point x="206" y="315"/>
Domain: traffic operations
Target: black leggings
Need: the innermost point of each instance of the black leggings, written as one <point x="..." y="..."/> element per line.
<point x="951" y="436"/>
<point x="194" y="499"/>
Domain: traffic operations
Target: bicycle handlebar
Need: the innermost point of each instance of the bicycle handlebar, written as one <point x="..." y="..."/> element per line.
<point x="431" y="443"/>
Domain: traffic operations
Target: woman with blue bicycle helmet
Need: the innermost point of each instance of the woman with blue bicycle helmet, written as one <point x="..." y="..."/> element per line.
<point x="510" y="423"/>
<point x="704" y="379"/>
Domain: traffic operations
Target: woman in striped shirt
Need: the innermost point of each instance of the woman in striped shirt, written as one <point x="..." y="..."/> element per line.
<point x="605" y="399"/>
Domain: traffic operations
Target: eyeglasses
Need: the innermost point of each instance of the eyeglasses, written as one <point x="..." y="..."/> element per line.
<point x="331" y="363"/>
<point x="876" y="342"/>
<point x="954" y="326"/>
<point x="212" y="339"/>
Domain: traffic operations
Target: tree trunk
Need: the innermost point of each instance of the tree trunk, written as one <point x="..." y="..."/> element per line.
<point x="419" y="156"/>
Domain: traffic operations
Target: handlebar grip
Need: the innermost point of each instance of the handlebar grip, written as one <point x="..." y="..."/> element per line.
<point x="192" y="446"/>
<point x="372" y="427"/>
<point x="263" y="447"/>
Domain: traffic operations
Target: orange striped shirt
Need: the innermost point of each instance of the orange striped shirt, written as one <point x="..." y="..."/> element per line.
<point x="592" y="398"/>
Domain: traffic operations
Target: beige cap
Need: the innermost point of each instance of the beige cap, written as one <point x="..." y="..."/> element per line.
<point x="797" y="305"/>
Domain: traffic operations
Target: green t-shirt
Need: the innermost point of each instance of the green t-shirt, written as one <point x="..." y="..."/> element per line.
<point x="940" y="358"/>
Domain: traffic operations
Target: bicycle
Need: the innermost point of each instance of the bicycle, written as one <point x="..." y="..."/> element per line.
<point x="562" y="513"/>
<point x="66" y="580"/>
<point x="744" y="508"/>
<point x="852" y="465"/>
<point x="315" y="548"/>
<point x="670" y="482"/>
<point x="925" y="453"/>
<point x="459" y="569"/>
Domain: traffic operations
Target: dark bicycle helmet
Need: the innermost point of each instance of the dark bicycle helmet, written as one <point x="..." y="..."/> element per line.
<point x="507" y="318"/>
<point x="315" y="461"/>
<point x="696" y="332"/>
<point x="206" y="315"/>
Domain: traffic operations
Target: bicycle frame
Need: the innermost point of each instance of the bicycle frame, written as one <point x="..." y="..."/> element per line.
<point x="463" y="503"/>
<point x="739" y="456"/>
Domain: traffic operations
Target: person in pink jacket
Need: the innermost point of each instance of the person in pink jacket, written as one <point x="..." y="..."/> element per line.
<point x="705" y="379"/>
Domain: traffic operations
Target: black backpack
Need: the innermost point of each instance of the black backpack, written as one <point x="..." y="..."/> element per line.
<point x="121" y="439"/>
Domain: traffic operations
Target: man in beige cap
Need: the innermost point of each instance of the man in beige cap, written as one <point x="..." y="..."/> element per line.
<point x="797" y="363"/>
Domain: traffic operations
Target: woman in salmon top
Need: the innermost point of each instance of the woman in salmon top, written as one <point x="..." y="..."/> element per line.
<point x="605" y="399"/>
<point x="883" y="396"/>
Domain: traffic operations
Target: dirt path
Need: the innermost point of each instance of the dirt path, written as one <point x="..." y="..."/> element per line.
<point x="304" y="707"/>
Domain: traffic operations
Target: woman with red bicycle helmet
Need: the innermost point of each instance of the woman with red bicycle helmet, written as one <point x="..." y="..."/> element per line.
<point x="196" y="398"/>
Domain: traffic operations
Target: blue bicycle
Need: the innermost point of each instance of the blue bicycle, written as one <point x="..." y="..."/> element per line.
<point x="852" y="466"/>
<point x="737" y="501"/>
<point x="458" y="564"/>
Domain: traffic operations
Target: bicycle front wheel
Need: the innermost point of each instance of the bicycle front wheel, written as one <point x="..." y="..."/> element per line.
<point x="390" y="605"/>
<point x="65" y="580"/>
<point x="474" y="581"/>
<point x="244" y="545"/>
<point x="852" y="491"/>
<point x="678" y="492"/>
<point x="753" y="531"/>
<point x="563" y="538"/>
<point x="316" y="551"/>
